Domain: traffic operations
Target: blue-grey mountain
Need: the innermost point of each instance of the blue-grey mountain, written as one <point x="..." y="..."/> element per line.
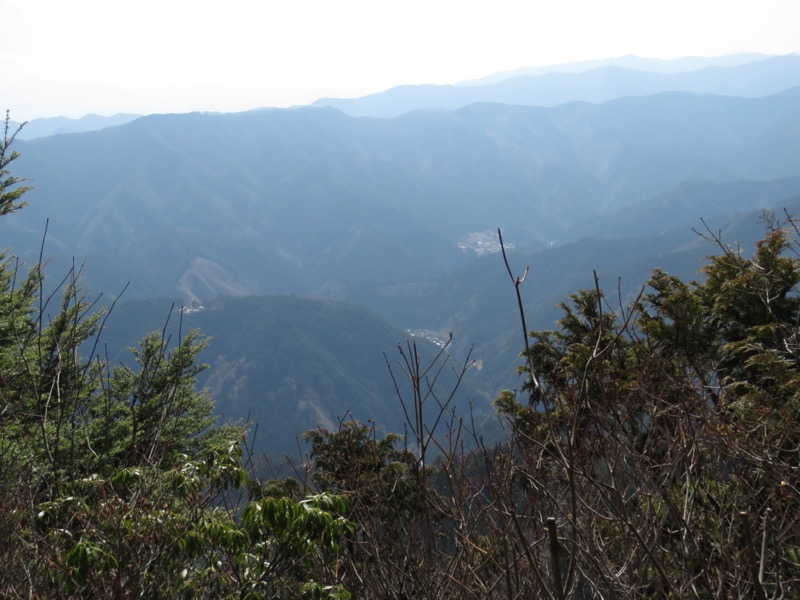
<point x="292" y="200"/>
<point x="608" y="80"/>
<point x="399" y="216"/>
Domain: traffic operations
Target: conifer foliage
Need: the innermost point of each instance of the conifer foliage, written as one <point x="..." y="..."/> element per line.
<point x="117" y="482"/>
<point x="664" y="442"/>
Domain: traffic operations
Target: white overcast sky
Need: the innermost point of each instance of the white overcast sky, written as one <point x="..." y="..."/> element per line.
<point x="73" y="57"/>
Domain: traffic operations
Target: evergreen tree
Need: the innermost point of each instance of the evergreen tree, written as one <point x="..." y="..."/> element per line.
<point x="118" y="482"/>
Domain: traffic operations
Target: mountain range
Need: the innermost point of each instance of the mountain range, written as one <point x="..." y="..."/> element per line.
<point x="317" y="240"/>
<point x="596" y="81"/>
<point x="589" y="80"/>
<point x="38" y="128"/>
<point x="290" y="200"/>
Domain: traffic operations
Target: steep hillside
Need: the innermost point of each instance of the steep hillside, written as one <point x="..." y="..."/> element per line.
<point x="289" y="363"/>
<point x="477" y="302"/>
<point x="686" y="203"/>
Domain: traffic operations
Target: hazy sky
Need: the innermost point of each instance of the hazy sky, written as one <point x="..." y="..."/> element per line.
<point x="74" y="57"/>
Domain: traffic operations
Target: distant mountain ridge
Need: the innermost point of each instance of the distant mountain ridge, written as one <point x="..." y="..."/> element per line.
<point x="628" y="61"/>
<point x="689" y="201"/>
<point x="597" y="85"/>
<point x="38" y="128"/>
<point x="282" y="201"/>
<point x="776" y="77"/>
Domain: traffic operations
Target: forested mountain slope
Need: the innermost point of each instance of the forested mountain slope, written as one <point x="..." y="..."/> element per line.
<point x="292" y="200"/>
<point x="288" y="363"/>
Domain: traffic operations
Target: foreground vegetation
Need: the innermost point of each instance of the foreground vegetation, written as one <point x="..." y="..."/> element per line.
<point x="652" y="452"/>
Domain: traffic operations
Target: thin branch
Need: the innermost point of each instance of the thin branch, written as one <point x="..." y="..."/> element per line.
<point x="517" y="281"/>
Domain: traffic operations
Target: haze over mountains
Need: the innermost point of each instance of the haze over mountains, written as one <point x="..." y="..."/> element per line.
<point x="38" y="128"/>
<point x="288" y="201"/>
<point x="606" y="169"/>
<point x="593" y="81"/>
